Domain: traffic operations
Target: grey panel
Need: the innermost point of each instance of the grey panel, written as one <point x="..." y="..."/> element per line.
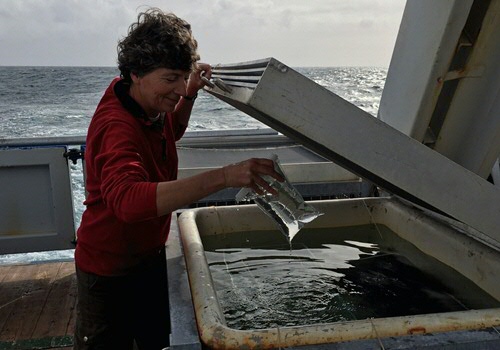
<point x="35" y="201"/>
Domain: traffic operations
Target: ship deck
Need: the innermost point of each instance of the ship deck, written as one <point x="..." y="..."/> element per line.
<point x="37" y="305"/>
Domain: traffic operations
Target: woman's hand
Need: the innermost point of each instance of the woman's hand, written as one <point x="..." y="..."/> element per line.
<point x="172" y="195"/>
<point x="195" y="82"/>
<point x="248" y="174"/>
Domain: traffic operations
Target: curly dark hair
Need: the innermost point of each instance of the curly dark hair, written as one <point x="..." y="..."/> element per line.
<point x="157" y="40"/>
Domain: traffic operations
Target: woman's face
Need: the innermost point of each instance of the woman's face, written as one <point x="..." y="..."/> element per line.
<point x="159" y="90"/>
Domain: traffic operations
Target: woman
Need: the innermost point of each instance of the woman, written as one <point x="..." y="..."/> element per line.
<point x="132" y="186"/>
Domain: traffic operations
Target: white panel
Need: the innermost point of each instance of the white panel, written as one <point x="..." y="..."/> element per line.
<point x="36" y="202"/>
<point x="426" y="42"/>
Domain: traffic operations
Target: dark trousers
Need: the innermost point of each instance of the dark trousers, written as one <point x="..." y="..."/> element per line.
<point x="112" y="312"/>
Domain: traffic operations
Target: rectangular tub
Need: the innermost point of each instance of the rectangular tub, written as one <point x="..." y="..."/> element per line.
<point x="457" y="248"/>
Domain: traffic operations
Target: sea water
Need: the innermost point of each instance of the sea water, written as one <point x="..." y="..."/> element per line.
<point x="332" y="274"/>
<point x="60" y="101"/>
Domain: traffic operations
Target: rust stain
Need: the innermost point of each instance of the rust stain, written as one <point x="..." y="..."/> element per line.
<point x="416" y="330"/>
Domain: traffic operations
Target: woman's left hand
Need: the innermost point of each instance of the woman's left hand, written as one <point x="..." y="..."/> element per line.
<point x="195" y="82"/>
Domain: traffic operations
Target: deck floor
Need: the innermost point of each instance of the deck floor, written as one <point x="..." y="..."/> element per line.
<point x="37" y="305"/>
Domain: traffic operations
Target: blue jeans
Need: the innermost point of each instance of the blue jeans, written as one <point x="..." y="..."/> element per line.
<point x="113" y="312"/>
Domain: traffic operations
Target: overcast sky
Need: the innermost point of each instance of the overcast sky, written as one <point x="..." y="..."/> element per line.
<point x="296" y="32"/>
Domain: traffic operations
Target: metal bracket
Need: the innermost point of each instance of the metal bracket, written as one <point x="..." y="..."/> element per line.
<point x="216" y="82"/>
<point x="74" y="154"/>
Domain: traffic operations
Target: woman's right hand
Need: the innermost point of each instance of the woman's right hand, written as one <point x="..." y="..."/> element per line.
<point x="248" y="174"/>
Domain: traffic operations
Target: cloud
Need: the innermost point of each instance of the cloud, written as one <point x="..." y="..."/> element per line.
<point x="314" y="32"/>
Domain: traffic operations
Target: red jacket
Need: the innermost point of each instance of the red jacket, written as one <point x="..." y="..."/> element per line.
<point x="126" y="156"/>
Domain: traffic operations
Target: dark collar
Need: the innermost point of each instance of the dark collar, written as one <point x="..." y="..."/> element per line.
<point x="121" y="89"/>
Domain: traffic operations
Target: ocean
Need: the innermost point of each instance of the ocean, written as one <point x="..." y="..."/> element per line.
<point x="60" y="101"/>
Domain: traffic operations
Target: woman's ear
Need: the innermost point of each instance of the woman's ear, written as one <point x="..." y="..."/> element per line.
<point x="134" y="77"/>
